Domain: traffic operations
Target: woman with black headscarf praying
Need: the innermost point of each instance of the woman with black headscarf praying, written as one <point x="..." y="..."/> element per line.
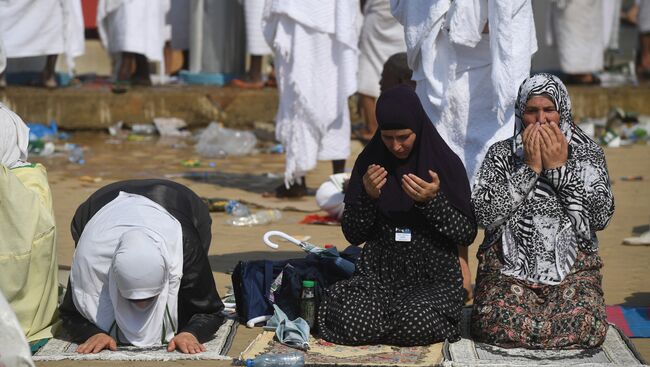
<point x="409" y="201"/>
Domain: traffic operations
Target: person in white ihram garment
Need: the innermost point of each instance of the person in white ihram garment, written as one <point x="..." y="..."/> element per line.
<point x="468" y="59"/>
<point x="582" y="30"/>
<point x="137" y="31"/>
<point x="42" y="28"/>
<point x="316" y="57"/>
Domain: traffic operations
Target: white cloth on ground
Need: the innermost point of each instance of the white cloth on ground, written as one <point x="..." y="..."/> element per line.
<point x="330" y="199"/>
<point x="255" y="42"/>
<point x="381" y="37"/>
<point x="316" y="57"/>
<point x="467" y="80"/>
<point x="116" y="229"/>
<point x="14" y="139"/>
<point x="576" y="27"/>
<point x="134" y="26"/>
<point x="643" y="19"/>
<point x="44" y="27"/>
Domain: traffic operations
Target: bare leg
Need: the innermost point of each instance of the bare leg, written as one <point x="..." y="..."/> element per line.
<point x="467" y="273"/>
<point x="47" y="77"/>
<point x="126" y="66"/>
<point x="644" y="55"/>
<point x="338" y="166"/>
<point x="3" y="81"/>
<point x="255" y="71"/>
<point x="368" y="105"/>
<point x="141" y="75"/>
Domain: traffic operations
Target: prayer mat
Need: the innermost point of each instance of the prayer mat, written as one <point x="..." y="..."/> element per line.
<point x="322" y="353"/>
<point x="61" y="349"/>
<point x="616" y="350"/>
<point x="634" y="322"/>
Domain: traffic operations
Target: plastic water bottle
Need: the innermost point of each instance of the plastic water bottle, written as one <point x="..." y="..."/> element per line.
<point x="237" y="209"/>
<point x="277" y="360"/>
<point x="76" y="155"/>
<point x="308" y="302"/>
<point x="261" y="217"/>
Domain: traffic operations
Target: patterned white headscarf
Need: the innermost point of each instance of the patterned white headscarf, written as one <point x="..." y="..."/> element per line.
<point x="14" y="138"/>
<point x="540" y="240"/>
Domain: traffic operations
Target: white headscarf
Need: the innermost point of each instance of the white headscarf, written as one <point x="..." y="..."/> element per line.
<point x="131" y="249"/>
<point x="14" y="138"/>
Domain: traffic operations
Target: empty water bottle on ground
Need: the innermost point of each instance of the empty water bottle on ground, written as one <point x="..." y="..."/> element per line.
<point x="76" y="155"/>
<point x="277" y="360"/>
<point x="260" y="217"/>
<point x="237" y="209"/>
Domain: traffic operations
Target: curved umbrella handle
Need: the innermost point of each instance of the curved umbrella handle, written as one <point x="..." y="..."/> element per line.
<point x="268" y="242"/>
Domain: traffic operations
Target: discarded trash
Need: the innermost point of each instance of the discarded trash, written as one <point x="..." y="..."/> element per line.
<point x="143" y="129"/>
<point x="320" y="219"/>
<point x="91" y="179"/>
<point x="642" y="240"/>
<point x="259" y="218"/>
<point x="277" y="149"/>
<point x="191" y="163"/>
<point x="237" y="209"/>
<point x="134" y="137"/>
<point x="76" y="155"/>
<point x="218" y="142"/>
<point x="632" y="178"/>
<point x="116" y="129"/>
<point x="212" y="164"/>
<point x="170" y="126"/>
<point x="42" y="132"/>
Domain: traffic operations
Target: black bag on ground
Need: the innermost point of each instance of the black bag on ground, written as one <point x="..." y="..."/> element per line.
<point x="252" y="281"/>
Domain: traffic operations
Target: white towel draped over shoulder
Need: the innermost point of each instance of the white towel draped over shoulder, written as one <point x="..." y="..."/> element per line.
<point x="315" y="46"/>
<point x="467" y="80"/>
<point x="44" y="27"/>
<point x="134" y="26"/>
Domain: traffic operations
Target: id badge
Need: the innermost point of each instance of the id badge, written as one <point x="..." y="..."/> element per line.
<point x="402" y="235"/>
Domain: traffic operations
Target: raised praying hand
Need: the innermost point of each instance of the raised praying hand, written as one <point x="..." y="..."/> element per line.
<point x="374" y="180"/>
<point x="420" y="190"/>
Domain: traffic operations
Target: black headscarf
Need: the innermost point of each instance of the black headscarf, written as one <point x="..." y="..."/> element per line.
<point x="400" y="108"/>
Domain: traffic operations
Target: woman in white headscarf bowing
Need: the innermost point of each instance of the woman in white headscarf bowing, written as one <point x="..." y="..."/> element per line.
<point x="27" y="232"/>
<point x="140" y="272"/>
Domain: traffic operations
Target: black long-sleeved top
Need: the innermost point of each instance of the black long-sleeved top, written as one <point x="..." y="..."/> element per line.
<point x="199" y="304"/>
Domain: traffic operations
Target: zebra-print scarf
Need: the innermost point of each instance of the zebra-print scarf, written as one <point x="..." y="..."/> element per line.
<point x="541" y="239"/>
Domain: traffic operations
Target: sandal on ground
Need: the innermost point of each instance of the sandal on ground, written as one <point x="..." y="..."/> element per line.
<point x="244" y="84"/>
<point x="121" y="86"/>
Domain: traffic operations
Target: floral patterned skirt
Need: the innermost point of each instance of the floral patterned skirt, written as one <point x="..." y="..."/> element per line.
<point x="513" y="313"/>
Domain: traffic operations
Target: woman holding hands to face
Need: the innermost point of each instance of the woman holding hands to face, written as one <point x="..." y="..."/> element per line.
<point x="541" y="196"/>
<point x="409" y="202"/>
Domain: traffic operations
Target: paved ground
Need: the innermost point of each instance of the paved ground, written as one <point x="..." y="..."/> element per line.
<point x="625" y="273"/>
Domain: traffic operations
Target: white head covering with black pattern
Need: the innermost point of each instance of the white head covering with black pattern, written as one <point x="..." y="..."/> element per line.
<point x="541" y="238"/>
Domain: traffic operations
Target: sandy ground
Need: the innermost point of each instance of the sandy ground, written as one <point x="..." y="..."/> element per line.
<point x="109" y="159"/>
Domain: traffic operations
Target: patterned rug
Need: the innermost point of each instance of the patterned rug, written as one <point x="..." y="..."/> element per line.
<point x="616" y="350"/>
<point x="60" y="349"/>
<point x="323" y="353"/>
<point x="634" y="322"/>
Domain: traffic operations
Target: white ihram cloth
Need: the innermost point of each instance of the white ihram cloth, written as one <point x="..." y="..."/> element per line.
<point x="577" y="28"/>
<point x="135" y="234"/>
<point x="467" y="81"/>
<point x="381" y="37"/>
<point x="255" y="42"/>
<point x="316" y="57"/>
<point x="643" y="20"/>
<point x="134" y="26"/>
<point x="44" y="27"/>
